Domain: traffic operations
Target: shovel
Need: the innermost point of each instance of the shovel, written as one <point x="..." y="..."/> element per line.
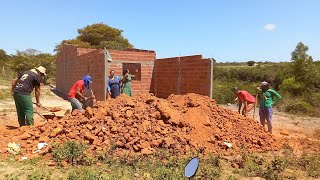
<point x="42" y="116"/>
<point x="43" y="107"/>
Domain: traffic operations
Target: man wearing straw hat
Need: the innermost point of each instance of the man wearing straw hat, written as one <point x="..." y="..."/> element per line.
<point x="21" y="90"/>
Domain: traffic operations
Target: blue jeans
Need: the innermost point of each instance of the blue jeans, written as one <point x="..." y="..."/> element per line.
<point x="265" y="114"/>
<point x="76" y="104"/>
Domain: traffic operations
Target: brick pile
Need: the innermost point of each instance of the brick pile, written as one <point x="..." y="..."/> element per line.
<point x="144" y="123"/>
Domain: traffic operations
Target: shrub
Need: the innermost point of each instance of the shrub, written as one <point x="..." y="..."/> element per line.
<point x="70" y="151"/>
<point x="275" y="168"/>
<point x="251" y="165"/>
<point x="298" y="107"/>
<point x="290" y="85"/>
<point x="313" y="98"/>
<point x="222" y="91"/>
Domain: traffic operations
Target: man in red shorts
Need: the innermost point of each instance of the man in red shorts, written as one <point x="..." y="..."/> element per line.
<point x="244" y="98"/>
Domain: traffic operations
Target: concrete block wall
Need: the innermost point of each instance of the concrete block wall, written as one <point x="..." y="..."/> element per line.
<point x="182" y="75"/>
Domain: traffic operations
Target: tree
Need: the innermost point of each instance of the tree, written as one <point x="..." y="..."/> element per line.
<point x="3" y="55"/>
<point x="304" y="69"/>
<point x="99" y="35"/>
<point x="301" y="62"/>
<point x="31" y="58"/>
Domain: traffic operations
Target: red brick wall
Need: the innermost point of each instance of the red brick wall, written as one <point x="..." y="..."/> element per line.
<point x="146" y="58"/>
<point x="162" y="77"/>
<point x="166" y="77"/>
<point x="188" y="74"/>
<point x="73" y="63"/>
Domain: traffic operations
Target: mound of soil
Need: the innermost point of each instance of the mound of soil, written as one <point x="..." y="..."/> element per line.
<point x="144" y="123"/>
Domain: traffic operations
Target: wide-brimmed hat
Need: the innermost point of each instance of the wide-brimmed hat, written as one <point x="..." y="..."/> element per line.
<point x="42" y="70"/>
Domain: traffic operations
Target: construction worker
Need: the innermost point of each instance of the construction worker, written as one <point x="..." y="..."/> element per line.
<point x="267" y="98"/>
<point x="76" y="94"/>
<point x="245" y="98"/>
<point x="21" y="90"/>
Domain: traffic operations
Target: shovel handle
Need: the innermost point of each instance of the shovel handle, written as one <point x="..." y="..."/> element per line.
<point x="43" y="107"/>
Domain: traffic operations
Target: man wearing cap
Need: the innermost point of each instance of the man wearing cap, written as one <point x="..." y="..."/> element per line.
<point x="244" y="98"/>
<point x="76" y="93"/>
<point x="21" y="90"/>
<point x="267" y="98"/>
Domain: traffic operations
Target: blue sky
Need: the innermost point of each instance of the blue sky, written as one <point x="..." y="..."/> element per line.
<point x="227" y="30"/>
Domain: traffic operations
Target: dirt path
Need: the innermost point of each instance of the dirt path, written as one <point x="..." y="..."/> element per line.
<point x="303" y="131"/>
<point x="48" y="99"/>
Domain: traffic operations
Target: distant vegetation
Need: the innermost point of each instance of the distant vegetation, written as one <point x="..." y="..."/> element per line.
<point x="12" y="65"/>
<point x="97" y="35"/>
<point x="297" y="81"/>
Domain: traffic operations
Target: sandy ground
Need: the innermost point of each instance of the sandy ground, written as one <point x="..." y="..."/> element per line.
<point x="298" y="126"/>
<point x="8" y="115"/>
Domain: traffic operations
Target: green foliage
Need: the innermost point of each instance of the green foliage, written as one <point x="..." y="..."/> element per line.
<point x="209" y="168"/>
<point x="273" y="73"/>
<point x="301" y="61"/>
<point x="299" y="106"/>
<point x="298" y="81"/>
<point x="290" y="85"/>
<point x="31" y="58"/>
<point x="311" y="164"/>
<point x="222" y="90"/>
<point x="303" y="67"/>
<point x="99" y="35"/>
<point x="3" y="55"/>
<point x="84" y="173"/>
<point x="70" y="151"/>
<point x="76" y="42"/>
<point x="39" y="175"/>
<point x="251" y="164"/>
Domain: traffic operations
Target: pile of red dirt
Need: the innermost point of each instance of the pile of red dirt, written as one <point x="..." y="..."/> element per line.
<point x="144" y="123"/>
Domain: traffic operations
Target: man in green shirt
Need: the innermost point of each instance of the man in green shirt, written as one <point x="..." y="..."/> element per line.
<point x="267" y="98"/>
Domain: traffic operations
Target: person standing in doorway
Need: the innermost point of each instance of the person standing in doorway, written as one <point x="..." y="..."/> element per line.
<point x="21" y="90"/>
<point x="113" y="85"/>
<point x="267" y="98"/>
<point x="126" y="82"/>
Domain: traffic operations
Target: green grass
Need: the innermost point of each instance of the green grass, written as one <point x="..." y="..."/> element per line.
<point x="165" y="166"/>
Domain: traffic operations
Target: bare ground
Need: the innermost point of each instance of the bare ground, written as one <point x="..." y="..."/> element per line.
<point x="302" y="130"/>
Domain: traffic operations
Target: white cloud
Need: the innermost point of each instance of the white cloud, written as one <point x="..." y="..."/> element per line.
<point x="270" y="27"/>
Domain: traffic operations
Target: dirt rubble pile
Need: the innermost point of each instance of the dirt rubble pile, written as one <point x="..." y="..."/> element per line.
<point x="144" y="123"/>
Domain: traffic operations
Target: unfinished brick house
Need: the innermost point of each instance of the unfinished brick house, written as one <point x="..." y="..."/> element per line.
<point x="177" y="75"/>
